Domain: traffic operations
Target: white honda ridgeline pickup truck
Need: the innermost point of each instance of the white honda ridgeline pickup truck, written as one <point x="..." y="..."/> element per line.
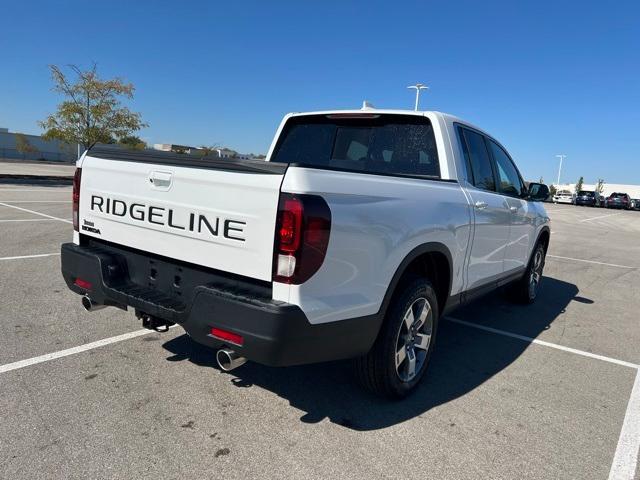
<point x="351" y="240"/>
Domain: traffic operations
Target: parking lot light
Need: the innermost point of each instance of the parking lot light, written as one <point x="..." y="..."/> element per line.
<point x="561" y="157"/>
<point x="418" y="87"/>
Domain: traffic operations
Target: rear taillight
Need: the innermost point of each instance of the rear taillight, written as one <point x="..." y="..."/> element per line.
<point x="302" y="236"/>
<point x="75" y="209"/>
<point x="290" y="226"/>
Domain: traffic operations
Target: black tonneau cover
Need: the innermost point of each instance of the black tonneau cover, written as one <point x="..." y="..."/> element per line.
<point x="158" y="157"/>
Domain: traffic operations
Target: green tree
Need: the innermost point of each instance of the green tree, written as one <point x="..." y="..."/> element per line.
<point x="579" y="184"/>
<point x="23" y="145"/>
<point x="92" y="111"/>
<point x="132" y="141"/>
<point x="600" y="186"/>
<point x="552" y="190"/>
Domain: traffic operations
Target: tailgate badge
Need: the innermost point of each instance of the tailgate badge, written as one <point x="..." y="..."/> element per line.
<point x="160" y="180"/>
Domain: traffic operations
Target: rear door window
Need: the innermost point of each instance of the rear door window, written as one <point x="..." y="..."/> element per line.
<point x="382" y="144"/>
<point x="477" y="156"/>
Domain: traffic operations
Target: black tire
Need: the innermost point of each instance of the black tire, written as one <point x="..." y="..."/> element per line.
<point x="522" y="291"/>
<point x="377" y="370"/>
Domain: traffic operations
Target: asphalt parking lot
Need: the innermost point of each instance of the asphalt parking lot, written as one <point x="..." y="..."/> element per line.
<point x="545" y="391"/>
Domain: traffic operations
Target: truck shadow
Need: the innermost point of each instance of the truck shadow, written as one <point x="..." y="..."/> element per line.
<point x="465" y="358"/>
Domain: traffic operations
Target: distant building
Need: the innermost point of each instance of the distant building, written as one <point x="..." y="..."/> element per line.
<point x="170" y="147"/>
<point x="222" y="152"/>
<point x="21" y="146"/>
<point x="226" y="153"/>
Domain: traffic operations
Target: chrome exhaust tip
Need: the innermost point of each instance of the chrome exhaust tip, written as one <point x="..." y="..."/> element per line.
<point x="228" y="359"/>
<point x="89" y="305"/>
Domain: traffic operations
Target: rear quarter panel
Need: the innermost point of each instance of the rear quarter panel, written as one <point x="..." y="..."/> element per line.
<point x="375" y="222"/>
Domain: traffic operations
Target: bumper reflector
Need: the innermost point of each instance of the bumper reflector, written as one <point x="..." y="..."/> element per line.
<point x="227" y="336"/>
<point x="82" y="284"/>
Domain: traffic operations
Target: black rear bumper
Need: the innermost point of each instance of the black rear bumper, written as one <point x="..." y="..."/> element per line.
<point x="274" y="333"/>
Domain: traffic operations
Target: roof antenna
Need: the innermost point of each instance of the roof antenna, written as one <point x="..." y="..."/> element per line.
<point x="367" y="105"/>
<point x="418" y="87"/>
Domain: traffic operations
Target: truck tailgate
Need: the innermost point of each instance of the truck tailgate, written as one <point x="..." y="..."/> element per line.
<point x="210" y="213"/>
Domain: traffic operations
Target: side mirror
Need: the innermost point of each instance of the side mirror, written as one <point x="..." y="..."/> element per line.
<point x="538" y="192"/>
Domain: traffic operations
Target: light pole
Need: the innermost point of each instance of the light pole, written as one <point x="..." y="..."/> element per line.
<point x="418" y="87"/>
<point x="561" y="157"/>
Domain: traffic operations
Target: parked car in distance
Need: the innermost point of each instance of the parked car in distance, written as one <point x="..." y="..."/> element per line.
<point x="563" y="196"/>
<point x="588" y="198"/>
<point x="618" y="200"/>
<point x="635" y="204"/>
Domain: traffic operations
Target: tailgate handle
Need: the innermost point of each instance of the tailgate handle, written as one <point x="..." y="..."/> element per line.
<point x="160" y="180"/>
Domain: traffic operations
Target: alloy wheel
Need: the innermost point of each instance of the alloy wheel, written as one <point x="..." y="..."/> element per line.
<point x="413" y="339"/>
<point x="536" y="273"/>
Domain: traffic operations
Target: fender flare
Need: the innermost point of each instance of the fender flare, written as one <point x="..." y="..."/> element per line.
<point x="429" y="247"/>
<point x="544" y="229"/>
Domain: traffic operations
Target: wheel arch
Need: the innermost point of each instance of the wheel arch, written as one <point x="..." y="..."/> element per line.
<point x="544" y="236"/>
<point x="433" y="260"/>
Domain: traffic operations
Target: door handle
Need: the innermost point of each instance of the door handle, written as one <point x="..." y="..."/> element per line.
<point x="513" y="209"/>
<point x="481" y="205"/>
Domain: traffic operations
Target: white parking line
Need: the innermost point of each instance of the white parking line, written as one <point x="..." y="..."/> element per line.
<point x="625" y="459"/>
<point x="37" y="201"/>
<point x="44" y="189"/>
<point x="28" y="220"/>
<point x="592" y="261"/>
<point x="546" y="344"/>
<point x="626" y="455"/>
<point x="35" y="213"/>
<point x="30" y="256"/>
<point x="126" y="336"/>
<point x="72" y="351"/>
<point x="599" y="217"/>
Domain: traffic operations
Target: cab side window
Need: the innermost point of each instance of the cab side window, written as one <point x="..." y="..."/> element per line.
<point x="510" y="183"/>
<point x="477" y="159"/>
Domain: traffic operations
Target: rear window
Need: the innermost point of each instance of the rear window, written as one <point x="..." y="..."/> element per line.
<point x="618" y="195"/>
<point x="584" y="193"/>
<point x="387" y="144"/>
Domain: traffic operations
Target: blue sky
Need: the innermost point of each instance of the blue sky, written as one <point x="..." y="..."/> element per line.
<point x="544" y="78"/>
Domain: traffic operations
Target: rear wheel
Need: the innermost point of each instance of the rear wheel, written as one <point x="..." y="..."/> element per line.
<point x="525" y="290"/>
<point x="400" y="355"/>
